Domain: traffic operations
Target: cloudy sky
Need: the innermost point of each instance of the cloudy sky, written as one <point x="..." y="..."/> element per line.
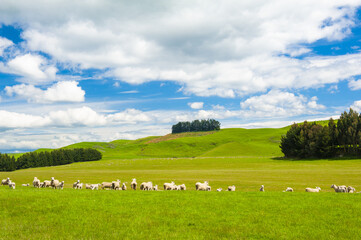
<point x="98" y="70"/>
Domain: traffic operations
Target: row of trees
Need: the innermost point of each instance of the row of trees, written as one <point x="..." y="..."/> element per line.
<point x="196" y="126"/>
<point x="310" y="140"/>
<point x="52" y="158"/>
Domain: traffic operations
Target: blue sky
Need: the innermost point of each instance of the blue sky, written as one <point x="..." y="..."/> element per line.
<point x="106" y="70"/>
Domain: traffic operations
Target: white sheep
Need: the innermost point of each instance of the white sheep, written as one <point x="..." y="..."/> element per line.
<point x="76" y="184"/>
<point x="5" y="181"/>
<point x="94" y="186"/>
<point x="46" y="183"/>
<point x="176" y="187"/>
<point x="54" y="182"/>
<point x="146" y="186"/>
<point x="87" y="186"/>
<point x="155" y="188"/>
<point x="199" y="183"/>
<point x="133" y="185"/>
<point x="168" y="186"/>
<point x="351" y="189"/>
<point x="262" y="188"/>
<point x="124" y="187"/>
<point x="231" y="188"/>
<point x="11" y="184"/>
<point x="183" y="187"/>
<point x="106" y="185"/>
<point x="339" y="188"/>
<point x="317" y="189"/>
<point x="288" y="189"/>
<point x="79" y="186"/>
<point x="25" y="185"/>
<point x="60" y="185"/>
<point x="203" y="187"/>
<point x="36" y="182"/>
<point x="116" y="185"/>
<point x="219" y="190"/>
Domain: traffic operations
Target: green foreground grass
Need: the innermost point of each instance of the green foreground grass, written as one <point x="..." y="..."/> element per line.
<point x="29" y="213"/>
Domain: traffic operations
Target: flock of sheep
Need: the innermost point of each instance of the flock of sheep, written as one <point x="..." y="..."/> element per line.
<point x="148" y="186"/>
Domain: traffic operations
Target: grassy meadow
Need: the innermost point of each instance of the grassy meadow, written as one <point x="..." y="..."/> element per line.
<point x="240" y="157"/>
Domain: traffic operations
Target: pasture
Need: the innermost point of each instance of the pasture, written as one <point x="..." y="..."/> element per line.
<point x="244" y="158"/>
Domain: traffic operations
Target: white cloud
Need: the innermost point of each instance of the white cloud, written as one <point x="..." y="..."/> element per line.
<point x="196" y="105"/>
<point x="33" y="68"/>
<point x="356" y="106"/>
<point x="66" y="91"/>
<point x="354" y="84"/>
<point x="4" y="43"/>
<point x="277" y="103"/>
<point x="218" y="107"/>
<point x="236" y="48"/>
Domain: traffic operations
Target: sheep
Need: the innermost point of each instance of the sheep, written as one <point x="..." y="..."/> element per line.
<point x="46" y="183"/>
<point x="60" y="185"/>
<point x="168" y="186"/>
<point x="231" y="188"/>
<point x="116" y="185"/>
<point x="317" y="189"/>
<point x="11" y="184"/>
<point x="351" y="189"/>
<point x="87" y="186"/>
<point x="219" y="190"/>
<point x="198" y="183"/>
<point x="5" y="181"/>
<point x="94" y="186"/>
<point x="76" y="184"/>
<point x="146" y="186"/>
<point x="155" y="188"/>
<point x="176" y="187"/>
<point x="36" y="182"/>
<point x="25" y="185"/>
<point x="133" y="185"/>
<point x="203" y="187"/>
<point x="54" y="182"/>
<point x="262" y="188"/>
<point x="183" y="187"/>
<point x="288" y="190"/>
<point x="106" y="185"/>
<point x="124" y="187"/>
<point x="339" y="188"/>
<point x="79" y="186"/>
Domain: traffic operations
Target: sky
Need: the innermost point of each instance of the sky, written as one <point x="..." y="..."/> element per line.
<point x="95" y="70"/>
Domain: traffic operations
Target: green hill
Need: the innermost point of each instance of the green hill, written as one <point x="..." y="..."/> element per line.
<point x="226" y="142"/>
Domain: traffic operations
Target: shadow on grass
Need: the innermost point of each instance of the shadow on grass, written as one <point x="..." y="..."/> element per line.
<point x="318" y="159"/>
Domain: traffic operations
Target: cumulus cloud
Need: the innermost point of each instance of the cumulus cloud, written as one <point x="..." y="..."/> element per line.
<point x="4" y="43"/>
<point x="277" y="103"/>
<point x="66" y="91"/>
<point x="196" y="105"/>
<point x="354" y="84"/>
<point x="233" y="49"/>
<point x="356" y="106"/>
<point x="32" y="68"/>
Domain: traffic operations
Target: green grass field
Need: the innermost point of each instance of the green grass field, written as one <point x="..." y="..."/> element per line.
<point x="245" y="158"/>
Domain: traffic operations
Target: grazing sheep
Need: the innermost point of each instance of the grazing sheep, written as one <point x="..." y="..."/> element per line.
<point x="76" y="184"/>
<point x="203" y="187"/>
<point x="95" y="186"/>
<point x="176" y="187"/>
<point x="169" y="186"/>
<point x="116" y="185"/>
<point x="183" y="187"/>
<point x="60" y="185"/>
<point x="155" y="188"/>
<point x="146" y="186"/>
<point x="219" y="190"/>
<point x="11" y="184"/>
<point x="199" y="183"/>
<point x="25" y="185"/>
<point x="133" y="185"/>
<point x="262" y="188"/>
<point x="339" y="188"/>
<point x="79" y="186"/>
<point x="5" y="181"/>
<point x="106" y="185"/>
<point x="124" y="187"/>
<point x="351" y="189"/>
<point x="46" y="183"/>
<point x="288" y="189"/>
<point x="54" y="182"/>
<point x="317" y="189"/>
<point x="231" y="188"/>
<point x="88" y="186"/>
<point x="36" y="182"/>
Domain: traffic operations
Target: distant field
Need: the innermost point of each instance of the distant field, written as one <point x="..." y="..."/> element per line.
<point x="85" y="214"/>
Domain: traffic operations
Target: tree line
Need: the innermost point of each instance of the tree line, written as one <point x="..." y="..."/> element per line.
<point x="51" y="158"/>
<point x="312" y="140"/>
<point x="196" y="126"/>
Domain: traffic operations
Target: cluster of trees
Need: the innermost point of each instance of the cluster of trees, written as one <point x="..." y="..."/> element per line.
<point x="52" y="158"/>
<point x="196" y="126"/>
<point x="309" y="140"/>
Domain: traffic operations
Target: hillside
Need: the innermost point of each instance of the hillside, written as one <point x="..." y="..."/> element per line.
<point x="226" y="142"/>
